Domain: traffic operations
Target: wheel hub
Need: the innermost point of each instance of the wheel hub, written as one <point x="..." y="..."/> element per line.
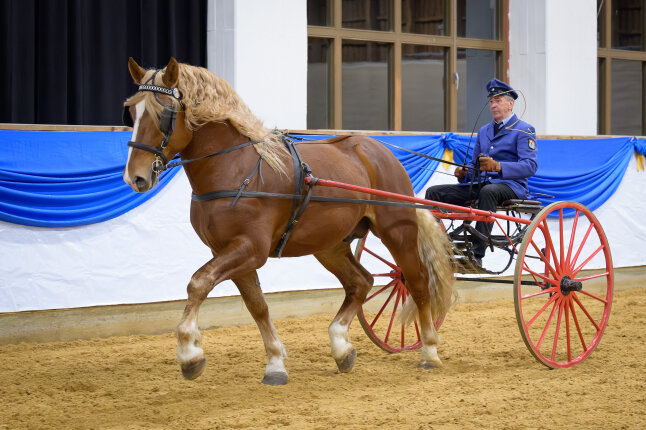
<point x="568" y="285"/>
<point x="397" y="274"/>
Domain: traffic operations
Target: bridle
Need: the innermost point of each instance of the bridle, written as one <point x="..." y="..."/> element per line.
<point x="166" y="121"/>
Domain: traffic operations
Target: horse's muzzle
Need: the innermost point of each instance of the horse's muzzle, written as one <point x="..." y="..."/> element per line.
<point x="141" y="184"/>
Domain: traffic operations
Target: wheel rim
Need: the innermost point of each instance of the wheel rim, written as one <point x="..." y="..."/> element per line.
<point x="563" y="285"/>
<point x="379" y="314"/>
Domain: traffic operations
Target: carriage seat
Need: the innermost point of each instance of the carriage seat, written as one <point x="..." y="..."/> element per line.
<point x="532" y="206"/>
<point x="520" y="202"/>
<point x="521" y="205"/>
<point x="508" y="203"/>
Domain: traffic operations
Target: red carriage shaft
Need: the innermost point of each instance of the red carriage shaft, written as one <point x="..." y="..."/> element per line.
<point x="463" y="212"/>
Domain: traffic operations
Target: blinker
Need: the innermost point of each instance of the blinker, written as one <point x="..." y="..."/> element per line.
<point x="167" y="121"/>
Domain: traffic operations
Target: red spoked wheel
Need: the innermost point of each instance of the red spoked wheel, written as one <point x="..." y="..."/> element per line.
<point x="379" y="314"/>
<point x="563" y="284"/>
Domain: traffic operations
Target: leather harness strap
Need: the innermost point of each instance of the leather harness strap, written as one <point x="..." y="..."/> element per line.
<point x="301" y="169"/>
<point x="154" y="150"/>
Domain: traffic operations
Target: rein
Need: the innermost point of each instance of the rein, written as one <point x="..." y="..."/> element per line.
<point x="224" y="151"/>
<point x="397" y="147"/>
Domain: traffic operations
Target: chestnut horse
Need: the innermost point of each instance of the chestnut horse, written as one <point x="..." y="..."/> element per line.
<point x="194" y="113"/>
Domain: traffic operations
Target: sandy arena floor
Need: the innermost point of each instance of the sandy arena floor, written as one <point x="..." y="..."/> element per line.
<point x="489" y="380"/>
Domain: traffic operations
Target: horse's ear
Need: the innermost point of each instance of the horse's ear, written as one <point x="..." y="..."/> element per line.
<point x="136" y="71"/>
<point x="171" y="75"/>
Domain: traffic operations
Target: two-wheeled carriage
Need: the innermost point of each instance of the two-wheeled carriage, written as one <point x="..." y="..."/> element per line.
<point x="562" y="282"/>
<point x="187" y="110"/>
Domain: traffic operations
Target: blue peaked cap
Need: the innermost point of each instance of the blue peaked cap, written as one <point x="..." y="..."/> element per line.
<point x="496" y="86"/>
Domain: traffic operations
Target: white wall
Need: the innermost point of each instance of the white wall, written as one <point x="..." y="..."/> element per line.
<point x="553" y="60"/>
<point x="220" y="37"/>
<point x="260" y="48"/>
<point x="527" y="71"/>
<point x="571" y="44"/>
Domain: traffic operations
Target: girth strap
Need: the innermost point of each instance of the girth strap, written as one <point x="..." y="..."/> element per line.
<point x="301" y="169"/>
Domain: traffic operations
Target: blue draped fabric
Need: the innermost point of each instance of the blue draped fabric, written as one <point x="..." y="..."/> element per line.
<point x="587" y="171"/>
<point x="66" y="178"/>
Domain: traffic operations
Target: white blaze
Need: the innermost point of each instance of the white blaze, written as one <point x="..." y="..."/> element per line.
<point x="139" y="112"/>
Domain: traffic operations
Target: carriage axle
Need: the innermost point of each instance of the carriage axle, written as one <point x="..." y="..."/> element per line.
<point x="568" y="285"/>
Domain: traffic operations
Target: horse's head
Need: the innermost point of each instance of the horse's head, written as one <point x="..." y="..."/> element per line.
<point x="156" y="114"/>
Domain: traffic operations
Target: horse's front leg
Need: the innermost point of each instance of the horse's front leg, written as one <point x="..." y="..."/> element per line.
<point x="249" y="287"/>
<point x="229" y="263"/>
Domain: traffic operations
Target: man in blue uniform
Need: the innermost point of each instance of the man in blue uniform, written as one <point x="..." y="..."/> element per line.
<point x="506" y="151"/>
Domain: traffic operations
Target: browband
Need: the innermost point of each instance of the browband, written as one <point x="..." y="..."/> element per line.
<point x="174" y="92"/>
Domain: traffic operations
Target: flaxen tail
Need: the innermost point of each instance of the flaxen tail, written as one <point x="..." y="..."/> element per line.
<point x="436" y="255"/>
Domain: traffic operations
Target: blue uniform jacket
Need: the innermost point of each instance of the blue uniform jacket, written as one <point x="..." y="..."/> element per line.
<point x="514" y="147"/>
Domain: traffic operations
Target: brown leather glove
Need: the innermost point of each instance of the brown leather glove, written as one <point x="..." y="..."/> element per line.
<point x="460" y="172"/>
<point x="488" y="164"/>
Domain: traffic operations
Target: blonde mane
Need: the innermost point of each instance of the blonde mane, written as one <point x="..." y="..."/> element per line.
<point x="209" y="98"/>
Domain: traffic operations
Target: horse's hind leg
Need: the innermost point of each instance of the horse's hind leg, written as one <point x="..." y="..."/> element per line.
<point x="249" y="286"/>
<point x="356" y="282"/>
<point x="402" y="242"/>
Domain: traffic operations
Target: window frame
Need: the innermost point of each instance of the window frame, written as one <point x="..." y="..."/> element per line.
<point x="336" y="33"/>
<point x="605" y="55"/>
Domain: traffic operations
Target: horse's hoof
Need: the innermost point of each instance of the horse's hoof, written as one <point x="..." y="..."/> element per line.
<point x="275" y="378"/>
<point x="347" y="363"/>
<point x="193" y="369"/>
<point x="427" y="365"/>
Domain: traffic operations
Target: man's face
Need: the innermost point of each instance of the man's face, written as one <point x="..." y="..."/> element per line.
<point x="500" y="107"/>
